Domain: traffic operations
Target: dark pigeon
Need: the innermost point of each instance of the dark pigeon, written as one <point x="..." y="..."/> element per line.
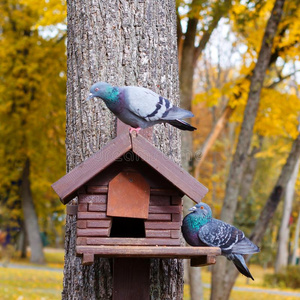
<point x="199" y="228"/>
<point x="140" y="107"/>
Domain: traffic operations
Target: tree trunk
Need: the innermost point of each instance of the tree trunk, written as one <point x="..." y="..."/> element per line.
<point x="211" y="138"/>
<point x="284" y="231"/>
<point x="121" y="42"/>
<point x="239" y="160"/>
<point x="23" y="242"/>
<point x="30" y="218"/>
<point x="195" y="281"/>
<point x="296" y="241"/>
<point x="266" y="214"/>
<point x="249" y="173"/>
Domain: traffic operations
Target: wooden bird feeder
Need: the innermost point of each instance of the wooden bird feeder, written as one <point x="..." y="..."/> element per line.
<point x="129" y="206"/>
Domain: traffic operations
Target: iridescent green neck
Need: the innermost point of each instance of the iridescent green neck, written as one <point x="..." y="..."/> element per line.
<point x="196" y="221"/>
<point x="111" y="95"/>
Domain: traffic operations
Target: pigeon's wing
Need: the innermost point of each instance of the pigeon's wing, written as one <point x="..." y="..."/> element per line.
<point x="150" y="106"/>
<point x="245" y="246"/>
<point x="220" y="234"/>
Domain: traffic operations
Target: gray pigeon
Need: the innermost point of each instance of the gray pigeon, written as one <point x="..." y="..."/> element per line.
<point x="199" y="228"/>
<point x="140" y="107"/>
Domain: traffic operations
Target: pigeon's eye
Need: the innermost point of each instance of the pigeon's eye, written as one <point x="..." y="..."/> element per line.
<point x="201" y="207"/>
<point x="96" y="89"/>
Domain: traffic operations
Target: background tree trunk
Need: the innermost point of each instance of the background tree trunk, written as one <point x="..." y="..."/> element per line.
<point x="296" y="241"/>
<point x="284" y="231"/>
<point x="123" y="43"/>
<point x="23" y="243"/>
<point x="239" y="160"/>
<point x="266" y="214"/>
<point x="30" y="218"/>
<point x="249" y="173"/>
<point x="273" y="200"/>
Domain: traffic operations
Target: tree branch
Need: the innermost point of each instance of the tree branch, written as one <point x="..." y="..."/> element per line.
<point x="281" y="78"/>
<point x="219" y="12"/>
<point x="212" y="137"/>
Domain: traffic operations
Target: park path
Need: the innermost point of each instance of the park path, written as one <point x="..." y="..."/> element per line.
<point x="43" y="268"/>
<point x="259" y="290"/>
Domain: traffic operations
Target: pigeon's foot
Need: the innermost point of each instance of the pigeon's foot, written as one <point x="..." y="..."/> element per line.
<point x="137" y="130"/>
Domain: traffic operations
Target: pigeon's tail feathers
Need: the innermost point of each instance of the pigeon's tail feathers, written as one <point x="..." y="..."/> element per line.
<point x="180" y="124"/>
<point x="240" y="264"/>
<point x="245" y="246"/>
<point x="177" y="113"/>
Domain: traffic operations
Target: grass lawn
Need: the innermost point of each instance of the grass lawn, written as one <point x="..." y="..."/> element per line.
<point x="23" y="284"/>
<point x="32" y="284"/>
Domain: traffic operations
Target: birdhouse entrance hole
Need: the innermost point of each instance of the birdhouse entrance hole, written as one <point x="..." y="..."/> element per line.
<point x="127" y="228"/>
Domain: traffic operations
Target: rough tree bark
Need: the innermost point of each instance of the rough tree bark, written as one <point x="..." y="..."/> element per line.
<point x="266" y="214"/>
<point x="239" y="160"/>
<point x="123" y="43"/>
<point x="30" y="218"/>
<point x="284" y="231"/>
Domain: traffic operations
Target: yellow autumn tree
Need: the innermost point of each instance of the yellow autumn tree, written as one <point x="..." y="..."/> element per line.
<point x="32" y="101"/>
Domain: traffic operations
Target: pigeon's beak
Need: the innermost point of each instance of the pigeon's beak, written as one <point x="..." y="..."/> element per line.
<point x="192" y="208"/>
<point x="91" y="96"/>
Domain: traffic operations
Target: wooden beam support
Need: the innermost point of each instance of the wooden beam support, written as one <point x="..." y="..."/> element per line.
<point x="151" y="251"/>
<point x="203" y="261"/>
<point x="131" y="241"/>
<point x="131" y="279"/>
<point x="88" y="259"/>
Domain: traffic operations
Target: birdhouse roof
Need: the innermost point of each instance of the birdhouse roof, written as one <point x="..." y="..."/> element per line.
<point x="67" y="186"/>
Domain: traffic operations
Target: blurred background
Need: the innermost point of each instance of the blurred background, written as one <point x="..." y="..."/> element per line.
<point x="218" y="46"/>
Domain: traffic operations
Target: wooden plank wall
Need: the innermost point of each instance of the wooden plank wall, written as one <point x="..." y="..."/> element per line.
<point x="164" y="221"/>
<point x="92" y="220"/>
<point x="162" y="227"/>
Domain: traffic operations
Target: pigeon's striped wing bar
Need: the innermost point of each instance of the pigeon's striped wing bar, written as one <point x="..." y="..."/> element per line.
<point x="151" y="108"/>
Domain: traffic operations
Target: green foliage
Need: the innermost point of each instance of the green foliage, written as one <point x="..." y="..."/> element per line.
<point x="287" y="278"/>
